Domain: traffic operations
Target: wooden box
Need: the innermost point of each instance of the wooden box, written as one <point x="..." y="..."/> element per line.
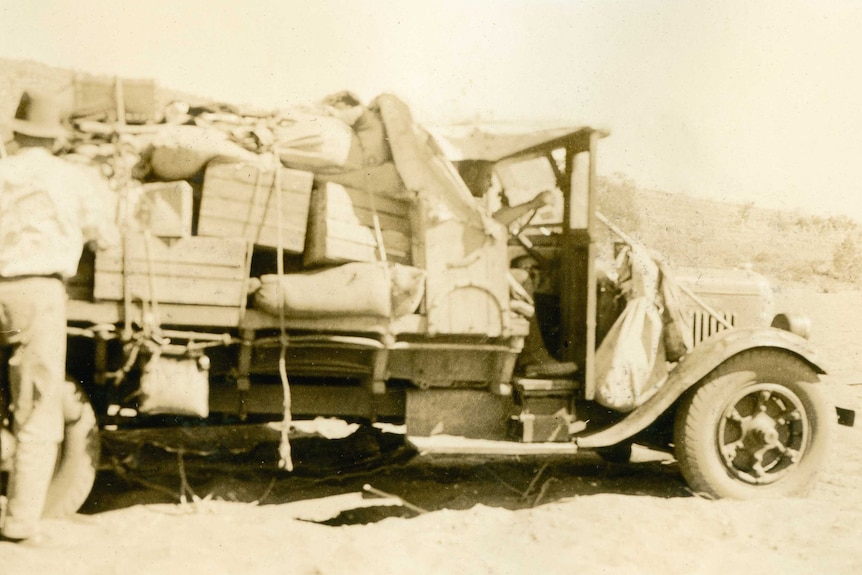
<point x="166" y="209"/>
<point x="96" y="98"/>
<point x="341" y="226"/>
<point x="195" y="271"/>
<point x="466" y="267"/>
<point x="238" y="201"/>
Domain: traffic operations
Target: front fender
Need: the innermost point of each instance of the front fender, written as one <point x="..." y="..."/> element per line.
<point x="694" y="367"/>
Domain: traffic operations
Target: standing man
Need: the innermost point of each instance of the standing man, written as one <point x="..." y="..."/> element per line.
<point x="49" y="208"/>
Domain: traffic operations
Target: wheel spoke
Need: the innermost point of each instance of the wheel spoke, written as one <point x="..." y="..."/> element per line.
<point x="792" y="454"/>
<point x="762" y="399"/>
<point x="733" y="415"/>
<point x="758" y="472"/>
<point x="730" y="450"/>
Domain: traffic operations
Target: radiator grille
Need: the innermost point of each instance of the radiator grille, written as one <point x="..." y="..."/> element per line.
<point x="703" y="325"/>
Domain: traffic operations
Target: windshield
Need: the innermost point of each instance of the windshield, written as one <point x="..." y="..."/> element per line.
<point x="506" y="170"/>
<point x="520" y="181"/>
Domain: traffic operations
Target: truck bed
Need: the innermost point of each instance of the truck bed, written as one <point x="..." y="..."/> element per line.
<point x="226" y="318"/>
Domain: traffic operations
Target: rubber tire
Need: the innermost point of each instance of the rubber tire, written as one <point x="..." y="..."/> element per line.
<point x="78" y="458"/>
<point x="696" y="426"/>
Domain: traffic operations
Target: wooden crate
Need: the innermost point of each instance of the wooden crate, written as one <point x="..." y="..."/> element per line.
<point x="96" y="97"/>
<point x="341" y="226"/>
<point x="166" y="209"/>
<point x="466" y="286"/>
<point x="194" y="270"/>
<point x="238" y="202"/>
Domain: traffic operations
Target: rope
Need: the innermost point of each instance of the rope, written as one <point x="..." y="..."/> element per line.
<point x="285" y="460"/>
<point x="243" y="304"/>
<point x="122" y="179"/>
<point x="254" y="194"/>
<point x="378" y="236"/>
<point x="378" y="232"/>
<point x="152" y="325"/>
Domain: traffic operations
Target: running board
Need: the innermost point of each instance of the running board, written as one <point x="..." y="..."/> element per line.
<point x="545" y="387"/>
<point x="453" y="445"/>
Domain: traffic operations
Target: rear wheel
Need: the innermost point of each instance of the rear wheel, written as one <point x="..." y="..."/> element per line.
<point x="758" y="426"/>
<point x="79" y="455"/>
<point x="77" y="459"/>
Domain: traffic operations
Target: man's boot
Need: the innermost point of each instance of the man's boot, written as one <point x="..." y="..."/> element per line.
<point x="535" y="361"/>
<point x="34" y="464"/>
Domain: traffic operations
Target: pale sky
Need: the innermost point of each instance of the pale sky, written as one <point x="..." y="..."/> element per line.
<point x="737" y="100"/>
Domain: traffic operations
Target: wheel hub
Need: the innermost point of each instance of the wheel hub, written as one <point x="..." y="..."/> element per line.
<point x="762" y="433"/>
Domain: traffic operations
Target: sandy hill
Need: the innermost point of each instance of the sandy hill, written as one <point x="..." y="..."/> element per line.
<point x="787" y="246"/>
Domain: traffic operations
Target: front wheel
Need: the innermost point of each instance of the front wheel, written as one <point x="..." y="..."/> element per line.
<point x="757" y="427"/>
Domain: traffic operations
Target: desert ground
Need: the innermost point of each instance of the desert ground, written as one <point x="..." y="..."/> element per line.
<point x="507" y="515"/>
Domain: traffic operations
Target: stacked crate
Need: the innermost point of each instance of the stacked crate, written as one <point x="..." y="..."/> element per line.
<point x="353" y="225"/>
<point x="240" y="201"/>
<point x="162" y="261"/>
<point x="193" y="270"/>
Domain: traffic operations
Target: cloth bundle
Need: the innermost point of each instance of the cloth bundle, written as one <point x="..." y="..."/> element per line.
<point x="630" y="364"/>
<point x="353" y="289"/>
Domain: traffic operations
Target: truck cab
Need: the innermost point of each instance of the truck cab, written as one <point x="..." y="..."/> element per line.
<point x="738" y="406"/>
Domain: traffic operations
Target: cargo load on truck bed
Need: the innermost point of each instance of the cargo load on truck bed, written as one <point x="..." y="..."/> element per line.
<point x="331" y="209"/>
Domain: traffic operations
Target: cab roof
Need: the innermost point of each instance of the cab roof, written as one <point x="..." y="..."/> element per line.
<point x="493" y="146"/>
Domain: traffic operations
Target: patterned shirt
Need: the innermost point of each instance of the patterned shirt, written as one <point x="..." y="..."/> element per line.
<point x="49" y="208"/>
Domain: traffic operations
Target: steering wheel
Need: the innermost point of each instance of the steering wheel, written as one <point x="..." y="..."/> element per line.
<point x="518" y="232"/>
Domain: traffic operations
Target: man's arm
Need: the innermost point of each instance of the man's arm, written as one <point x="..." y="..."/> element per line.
<point x="510" y="214"/>
<point x="98" y="209"/>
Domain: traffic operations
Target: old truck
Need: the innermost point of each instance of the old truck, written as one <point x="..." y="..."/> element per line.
<point x="740" y="408"/>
